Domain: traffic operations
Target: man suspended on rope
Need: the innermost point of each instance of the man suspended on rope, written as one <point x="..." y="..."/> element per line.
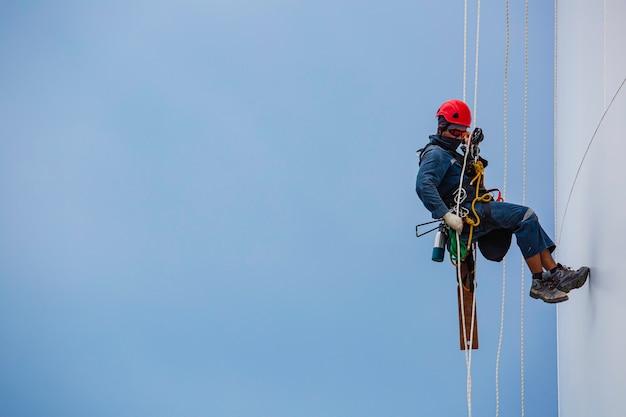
<point x="490" y="223"/>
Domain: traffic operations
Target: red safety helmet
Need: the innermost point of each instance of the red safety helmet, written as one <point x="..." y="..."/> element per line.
<point x="455" y="112"/>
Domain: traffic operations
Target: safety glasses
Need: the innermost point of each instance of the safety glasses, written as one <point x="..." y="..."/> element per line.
<point x="457" y="132"/>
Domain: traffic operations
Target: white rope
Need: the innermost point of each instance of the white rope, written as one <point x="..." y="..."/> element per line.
<point x="505" y="169"/>
<point x="556" y="253"/>
<point x="470" y="344"/>
<point x="476" y="63"/>
<point x="506" y="103"/>
<point x="467" y="344"/>
<point x="472" y="325"/>
<point x="465" y="52"/>
<point x="556" y="21"/>
<point x="522" y="382"/>
<point x="458" y="236"/>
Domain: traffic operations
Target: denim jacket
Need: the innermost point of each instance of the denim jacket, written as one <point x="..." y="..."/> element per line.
<point x="439" y="174"/>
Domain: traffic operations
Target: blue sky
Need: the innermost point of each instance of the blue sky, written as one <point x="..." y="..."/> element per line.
<point x="208" y="209"/>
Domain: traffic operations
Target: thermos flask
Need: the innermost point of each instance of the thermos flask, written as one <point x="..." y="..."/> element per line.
<point x="439" y="247"/>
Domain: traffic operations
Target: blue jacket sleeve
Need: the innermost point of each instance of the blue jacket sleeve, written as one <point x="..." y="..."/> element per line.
<point x="433" y="168"/>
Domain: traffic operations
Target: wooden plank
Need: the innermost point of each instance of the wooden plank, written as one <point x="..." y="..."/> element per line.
<point x="467" y="294"/>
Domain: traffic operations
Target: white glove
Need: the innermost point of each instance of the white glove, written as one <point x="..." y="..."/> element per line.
<point x="454" y="221"/>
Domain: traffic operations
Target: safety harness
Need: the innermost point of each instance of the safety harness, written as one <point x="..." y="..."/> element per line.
<point x="496" y="244"/>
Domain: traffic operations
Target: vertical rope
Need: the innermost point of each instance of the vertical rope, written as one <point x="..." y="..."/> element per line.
<point x="468" y="346"/>
<point x="465" y="52"/>
<point x="524" y="202"/>
<point x="476" y="64"/>
<point x="458" y="272"/>
<point x="554" y="109"/>
<point x="506" y="103"/>
<point x="468" y="349"/>
<point x="458" y="239"/>
<point x="505" y="173"/>
<point x="556" y="21"/>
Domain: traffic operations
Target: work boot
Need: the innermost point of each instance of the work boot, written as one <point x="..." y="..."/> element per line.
<point x="567" y="279"/>
<point x="545" y="288"/>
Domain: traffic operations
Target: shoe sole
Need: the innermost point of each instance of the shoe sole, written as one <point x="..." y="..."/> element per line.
<point x="552" y="301"/>
<point x="576" y="284"/>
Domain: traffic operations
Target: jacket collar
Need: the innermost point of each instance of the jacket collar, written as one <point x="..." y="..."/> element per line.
<point x="449" y="144"/>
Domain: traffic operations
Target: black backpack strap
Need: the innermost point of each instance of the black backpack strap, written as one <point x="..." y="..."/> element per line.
<point x="420" y="152"/>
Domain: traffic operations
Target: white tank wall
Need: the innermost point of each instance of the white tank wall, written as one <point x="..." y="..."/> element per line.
<point x="592" y="324"/>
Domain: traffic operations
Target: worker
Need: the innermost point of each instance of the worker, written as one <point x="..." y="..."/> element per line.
<point x="437" y="184"/>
